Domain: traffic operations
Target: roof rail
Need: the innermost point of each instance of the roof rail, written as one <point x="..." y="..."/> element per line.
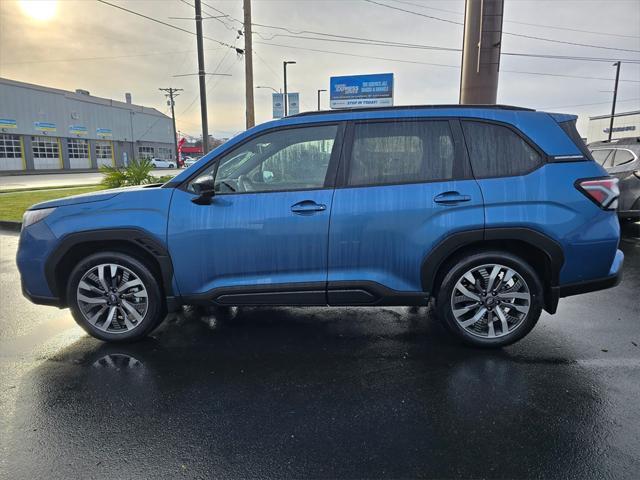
<point x="409" y="107"/>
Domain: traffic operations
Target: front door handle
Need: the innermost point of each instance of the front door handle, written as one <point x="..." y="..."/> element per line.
<point x="451" y="198"/>
<point x="307" y="207"/>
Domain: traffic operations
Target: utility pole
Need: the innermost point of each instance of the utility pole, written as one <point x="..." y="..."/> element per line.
<point x="248" y="65"/>
<point x="286" y="97"/>
<point x="202" y="78"/>
<point x="615" y="96"/>
<point x="319" y="91"/>
<point x="481" y="51"/>
<point x="171" y="94"/>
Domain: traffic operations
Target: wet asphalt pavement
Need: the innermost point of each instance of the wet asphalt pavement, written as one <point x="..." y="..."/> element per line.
<point x="322" y="393"/>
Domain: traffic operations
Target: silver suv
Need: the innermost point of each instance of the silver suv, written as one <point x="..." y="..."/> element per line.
<point x="621" y="159"/>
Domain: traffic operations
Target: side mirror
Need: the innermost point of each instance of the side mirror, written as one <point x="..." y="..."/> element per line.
<point x="205" y="190"/>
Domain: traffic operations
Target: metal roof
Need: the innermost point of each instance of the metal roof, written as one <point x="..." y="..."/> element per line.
<point x="84" y="97"/>
<point x="621" y="114"/>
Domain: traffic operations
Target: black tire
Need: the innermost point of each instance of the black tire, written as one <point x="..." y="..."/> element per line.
<point x="455" y="271"/>
<point x="155" y="306"/>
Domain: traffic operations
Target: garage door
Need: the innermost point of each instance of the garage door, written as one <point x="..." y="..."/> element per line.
<point x="46" y="153"/>
<point x="78" y="150"/>
<point x="11" y="157"/>
<point x="104" y="153"/>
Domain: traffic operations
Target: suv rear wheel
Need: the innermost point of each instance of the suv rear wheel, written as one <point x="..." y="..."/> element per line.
<point x="115" y="297"/>
<point x="490" y="299"/>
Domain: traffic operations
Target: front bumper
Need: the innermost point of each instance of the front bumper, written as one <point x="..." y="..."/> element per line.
<point x="36" y="242"/>
<point x="40" y="299"/>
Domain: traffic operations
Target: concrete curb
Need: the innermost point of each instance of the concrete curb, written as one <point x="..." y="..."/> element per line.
<point x="10" y="226"/>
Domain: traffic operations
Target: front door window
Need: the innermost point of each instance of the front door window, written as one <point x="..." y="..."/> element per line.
<point x="285" y="160"/>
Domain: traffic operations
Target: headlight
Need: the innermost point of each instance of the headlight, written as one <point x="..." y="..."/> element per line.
<point x="32" y="216"/>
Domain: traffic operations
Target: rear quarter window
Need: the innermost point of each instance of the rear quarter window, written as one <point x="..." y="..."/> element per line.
<point x="572" y="132"/>
<point x="498" y="151"/>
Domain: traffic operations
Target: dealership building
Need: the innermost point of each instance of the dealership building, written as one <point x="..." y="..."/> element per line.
<point x="44" y="128"/>
<point x="625" y="124"/>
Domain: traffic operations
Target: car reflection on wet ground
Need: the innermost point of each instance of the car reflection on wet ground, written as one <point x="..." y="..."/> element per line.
<point x="324" y="393"/>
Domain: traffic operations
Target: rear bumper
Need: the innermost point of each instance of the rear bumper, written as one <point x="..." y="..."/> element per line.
<point x="589" y="285"/>
<point x="611" y="280"/>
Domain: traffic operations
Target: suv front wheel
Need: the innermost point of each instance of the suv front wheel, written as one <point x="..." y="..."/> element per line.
<point x="115" y="297"/>
<point x="490" y="299"/>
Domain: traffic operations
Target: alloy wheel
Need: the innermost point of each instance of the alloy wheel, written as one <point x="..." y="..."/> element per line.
<point x="490" y="301"/>
<point x="112" y="298"/>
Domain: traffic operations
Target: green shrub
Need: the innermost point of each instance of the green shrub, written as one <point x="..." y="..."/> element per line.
<point x="136" y="173"/>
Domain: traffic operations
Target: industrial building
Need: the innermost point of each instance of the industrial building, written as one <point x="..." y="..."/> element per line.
<point x="625" y="124"/>
<point x="48" y="129"/>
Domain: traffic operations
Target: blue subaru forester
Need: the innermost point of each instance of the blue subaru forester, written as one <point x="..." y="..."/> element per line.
<point x="494" y="212"/>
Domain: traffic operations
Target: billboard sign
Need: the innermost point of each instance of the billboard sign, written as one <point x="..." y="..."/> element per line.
<point x="375" y="90"/>
<point x="278" y="105"/>
<point x="294" y="104"/>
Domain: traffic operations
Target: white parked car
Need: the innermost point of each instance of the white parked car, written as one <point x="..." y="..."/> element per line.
<point x="160" y="163"/>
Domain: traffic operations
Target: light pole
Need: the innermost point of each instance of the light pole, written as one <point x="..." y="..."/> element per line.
<point x="271" y="88"/>
<point x="319" y="91"/>
<point x="286" y="100"/>
<point x="615" y="96"/>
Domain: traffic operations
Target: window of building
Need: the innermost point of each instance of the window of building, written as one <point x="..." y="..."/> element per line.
<point x="291" y="159"/>
<point x="10" y="152"/>
<point x="165" y="153"/>
<point x="401" y="152"/>
<point x="46" y="153"/>
<point x="104" y="153"/>
<point x="498" y="151"/>
<point x="78" y="151"/>
<point x="146" y="153"/>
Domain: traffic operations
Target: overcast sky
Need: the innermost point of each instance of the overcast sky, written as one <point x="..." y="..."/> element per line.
<point x="93" y="46"/>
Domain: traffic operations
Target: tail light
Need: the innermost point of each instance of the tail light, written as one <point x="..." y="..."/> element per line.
<point x="604" y="191"/>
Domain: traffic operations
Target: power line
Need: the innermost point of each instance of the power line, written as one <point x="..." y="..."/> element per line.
<point x="540" y="25"/>
<point x="175" y="27"/>
<point x="374" y="42"/>
<point x="114" y="57"/>
<point x="417" y="62"/>
<point x="516" y="54"/>
<point x="591" y="104"/>
<point x="222" y="13"/>
<point x="521" y="35"/>
<point x="227" y="26"/>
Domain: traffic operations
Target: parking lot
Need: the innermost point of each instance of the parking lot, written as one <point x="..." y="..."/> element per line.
<point x="321" y="393"/>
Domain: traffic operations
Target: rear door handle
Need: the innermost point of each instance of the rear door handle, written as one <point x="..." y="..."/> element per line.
<point x="307" y="207"/>
<point x="451" y="198"/>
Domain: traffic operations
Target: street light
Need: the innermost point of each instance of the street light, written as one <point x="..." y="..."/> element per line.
<point x="266" y="86"/>
<point x="286" y="99"/>
<point x="615" y="96"/>
<point x="323" y="90"/>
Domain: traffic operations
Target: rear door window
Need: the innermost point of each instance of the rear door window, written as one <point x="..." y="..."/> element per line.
<point x="401" y="152"/>
<point x="498" y="151"/>
<point x="621" y="157"/>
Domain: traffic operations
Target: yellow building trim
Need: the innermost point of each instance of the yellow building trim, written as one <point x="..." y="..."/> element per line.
<point x="22" y="153"/>
<point x="60" y="154"/>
